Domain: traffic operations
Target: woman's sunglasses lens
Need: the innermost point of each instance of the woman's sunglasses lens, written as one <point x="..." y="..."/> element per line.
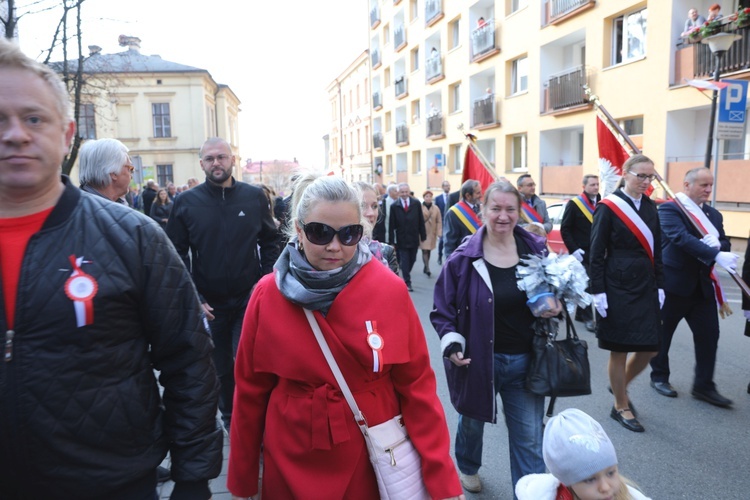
<point x="319" y="234"/>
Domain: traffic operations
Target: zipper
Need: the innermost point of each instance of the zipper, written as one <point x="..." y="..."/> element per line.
<point x="392" y="448"/>
<point x="9" y="345"/>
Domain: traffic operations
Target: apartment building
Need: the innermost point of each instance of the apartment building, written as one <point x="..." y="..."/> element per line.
<point x="510" y="72"/>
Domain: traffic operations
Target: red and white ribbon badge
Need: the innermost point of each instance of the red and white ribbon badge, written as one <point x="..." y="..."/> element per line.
<point x="81" y="289"/>
<point x="375" y="341"/>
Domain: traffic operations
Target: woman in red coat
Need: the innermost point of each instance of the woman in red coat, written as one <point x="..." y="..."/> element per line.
<point x="286" y="398"/>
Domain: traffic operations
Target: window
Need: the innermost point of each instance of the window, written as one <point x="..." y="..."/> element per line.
<point x="367" y="95"/>
<point x="415" y="59"/>
<point x="388" y="121"/>
<point x="454" y="28"/>
<point x="520" y="78"/>
<point x="386" y="34"/>
<point x="633" y="126"/>
<point x="389" y="165"/>
<point x="415" y="111"/>
<point x="518" y="5"/>
<point x="416" y="162"/>
<point x="629" y="37"/>
<point x="164" y="174"/>
<point x="458" y="164"/>
<point x="162" y="121"/>
<point x="455" y="97"/>
<point x="413" y="9"/>
<point x="358" y="97"/>
<point x="387" y="77"/>
<point x="343" y="103"/>
<point x="86" y="121"/>
<point x="359" y="141"/>
<point x="519" y="152"/>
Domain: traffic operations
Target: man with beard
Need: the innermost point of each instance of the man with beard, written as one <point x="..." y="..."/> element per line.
<point x="218" y="227"/>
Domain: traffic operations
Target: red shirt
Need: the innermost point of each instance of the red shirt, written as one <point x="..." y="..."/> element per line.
<point x="14" y="236"/>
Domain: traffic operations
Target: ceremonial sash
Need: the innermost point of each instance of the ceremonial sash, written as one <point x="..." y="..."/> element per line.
<point x="531" y="214"/>
<point x="585" y="205"/>
<point x="633" y="221"/>
<point x="467" y="216"/>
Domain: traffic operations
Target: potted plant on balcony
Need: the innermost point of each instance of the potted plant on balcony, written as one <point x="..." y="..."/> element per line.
<point x="710" y="28"/>
<point x="692" y="35"/>
<point x="742" y="17"/>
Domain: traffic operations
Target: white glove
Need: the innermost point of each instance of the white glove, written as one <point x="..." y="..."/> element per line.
<point x="661" y="298"/>
<point x="747" y="315"/>
<point x="600" y="302"/>
<point x="711" y="241"/>
<point x="727" y="260"/>
<point x="578" y="254"/>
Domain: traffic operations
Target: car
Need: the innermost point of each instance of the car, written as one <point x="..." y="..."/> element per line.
<point x="554" y="238"/>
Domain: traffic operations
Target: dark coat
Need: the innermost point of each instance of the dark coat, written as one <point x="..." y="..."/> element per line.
<point x="160" y="212"/>
<point x="620" y="267"/>
<point x="378" y="232"/>
<point x="687" y="261"/>
<point x="454" y="232"/>
<point x="441" y="203"/>
<point x="463" y="312"/>
<point x="575" y="229"/>
<point x="148" y="197"/>
<point x="407" y="226"/>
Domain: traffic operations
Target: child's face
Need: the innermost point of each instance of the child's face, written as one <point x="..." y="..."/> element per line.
<point x="603" y="485"/>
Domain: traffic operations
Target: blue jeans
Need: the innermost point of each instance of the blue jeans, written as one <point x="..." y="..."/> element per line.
<point x="524" y="413"/>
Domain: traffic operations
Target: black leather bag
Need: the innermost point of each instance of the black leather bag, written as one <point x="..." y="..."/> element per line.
<point x="559" y="368"/>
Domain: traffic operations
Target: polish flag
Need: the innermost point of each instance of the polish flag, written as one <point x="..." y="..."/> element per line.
<point x="611" y="158"/>
<point x="476" y="170"/>
<point x="707" y="85"/>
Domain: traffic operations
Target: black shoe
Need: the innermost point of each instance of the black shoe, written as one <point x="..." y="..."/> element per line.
<point x="630" y="403"/>
<point x="748" y="388"/>
<point x="408" y="287"/>
<point x="712" y="396"/>
<point x="590" y="326"/>
<point x="162" y="474"/>
<point x="440" y="261"/>
<point x="429" y="274"/>
<point x="664" y="388"/>
<point x="631" y="424"/>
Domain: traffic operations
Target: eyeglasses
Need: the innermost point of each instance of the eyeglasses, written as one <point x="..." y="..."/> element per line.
<point x="211" y="159"/>
<point x="643" y="177"/>
<point x="318" y="233"/>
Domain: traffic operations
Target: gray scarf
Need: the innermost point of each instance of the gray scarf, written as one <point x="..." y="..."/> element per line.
<point x="307" y="287"/>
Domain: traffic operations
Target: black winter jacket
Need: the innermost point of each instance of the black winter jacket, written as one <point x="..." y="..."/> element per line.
<point x="80" y="411"/>
<point x="221" y="230"/>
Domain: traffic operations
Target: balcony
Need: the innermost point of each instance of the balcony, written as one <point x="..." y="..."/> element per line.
<point x="399" y="38"/>
<point x="375" y="57"/>
<point x="374" y="17"/>
<point x="483" y="112"/>
<point x="694" y="60"/>
<point x="377" y="101"/>
<point x="377" y="141"/>
<point x="435" y="126"/>
<point x="433" y="12"/>
<point x="402" y="134"/>
<point x="564" y="92"/>
<point x="434" y="69"/>
<point x="555" y="11"/>
<point x="483" y="41"/>
<point x="400" y="87"/>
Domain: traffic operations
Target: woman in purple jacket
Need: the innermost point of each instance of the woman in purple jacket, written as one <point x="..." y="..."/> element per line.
<point x="486" y="336"/>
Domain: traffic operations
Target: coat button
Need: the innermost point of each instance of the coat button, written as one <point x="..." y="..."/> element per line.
<point x="489" y="300"/>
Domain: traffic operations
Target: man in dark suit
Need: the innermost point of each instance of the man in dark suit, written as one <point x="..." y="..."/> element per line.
<point x="406" y="230"/>
<point x="462" y="219"/>
<point x="381" y="231"/>
<point x="575" y="229"/>
<point x="443" y="204"/>
<point x="689" y="288"/>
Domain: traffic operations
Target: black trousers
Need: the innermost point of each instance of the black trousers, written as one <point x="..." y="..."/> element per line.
<point x="225" y="331"/>
<point x="702" y="317"/>
<point x="406" y="259"/>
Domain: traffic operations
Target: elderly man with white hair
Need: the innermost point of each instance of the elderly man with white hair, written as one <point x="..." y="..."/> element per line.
<point x="105" y="169"/>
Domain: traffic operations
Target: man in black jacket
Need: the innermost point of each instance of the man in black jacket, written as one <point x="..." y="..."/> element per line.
<point x="94" y="298"/>
<point x="406" y="230"/>
<point x="217" y="228"/>
<point x="148" y="196"/>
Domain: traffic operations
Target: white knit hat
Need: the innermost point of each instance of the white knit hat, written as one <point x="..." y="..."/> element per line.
<point x="576" y="447"/>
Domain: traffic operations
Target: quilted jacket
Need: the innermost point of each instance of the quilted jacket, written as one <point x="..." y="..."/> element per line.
<point x="80" y="410"/>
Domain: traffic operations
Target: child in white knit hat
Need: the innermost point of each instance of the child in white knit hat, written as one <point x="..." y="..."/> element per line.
<point x="582" y="462"/>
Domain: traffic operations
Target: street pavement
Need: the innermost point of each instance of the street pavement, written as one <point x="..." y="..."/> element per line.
<point x="690" y="450"/>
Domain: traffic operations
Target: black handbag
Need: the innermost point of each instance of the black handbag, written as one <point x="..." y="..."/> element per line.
<point x="559" y="368"/>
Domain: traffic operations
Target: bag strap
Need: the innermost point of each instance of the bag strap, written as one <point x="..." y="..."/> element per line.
<point x="359" y="418"/>
<point x="571" y="333"/>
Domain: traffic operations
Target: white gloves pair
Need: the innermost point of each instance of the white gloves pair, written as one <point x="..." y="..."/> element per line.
<point x="578" y="254"/>
<point x="600" y="302"/>
<point x="727" y="260"/>
<point x="711" y="241"/>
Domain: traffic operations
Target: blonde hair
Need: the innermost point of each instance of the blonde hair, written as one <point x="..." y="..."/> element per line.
<point x="630" y="163"/>
<point x="623" y="494"/>
<point x="310" y="189"/>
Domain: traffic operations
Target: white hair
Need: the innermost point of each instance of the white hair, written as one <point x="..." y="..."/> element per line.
<point x="97" y="159"/>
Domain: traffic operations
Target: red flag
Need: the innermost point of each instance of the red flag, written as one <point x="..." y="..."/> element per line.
<point x="476" y="170"/>
<point x="611" y="154"/>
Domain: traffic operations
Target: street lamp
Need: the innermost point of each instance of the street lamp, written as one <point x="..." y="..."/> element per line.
<point x="719" y="45"/>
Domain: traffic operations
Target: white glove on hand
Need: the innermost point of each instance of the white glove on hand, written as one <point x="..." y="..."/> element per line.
<point x="727" y="260"/>
<point x="600" y="302"/>
<point x="747" y="315"/>
<point x="711" y="241"/>
<point x="578" y="254"/>
<point x="661" y="298"/>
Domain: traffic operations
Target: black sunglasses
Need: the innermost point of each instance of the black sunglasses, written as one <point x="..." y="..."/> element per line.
<point x="318" y="233"/>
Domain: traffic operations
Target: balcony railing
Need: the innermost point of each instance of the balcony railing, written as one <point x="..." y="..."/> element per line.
<point x="566" y="90"/>
<point x="483" y="111"/>
<point x="556" y="9"/>
<point x="374" y="16"/>
<point x="435" y="125"/>
<point x="400" y="86"/>
<point x="433" y="67"/>
<point x="377" y="100"/>
<point x="737" y="58"/>
<point x="483" y="39"/>
<point x="375" y="57"/>
<point x="377" y="140"/>
<point x="433" y="9"/>
<point x="402" y="133"/>
<point x="399" y="37"/>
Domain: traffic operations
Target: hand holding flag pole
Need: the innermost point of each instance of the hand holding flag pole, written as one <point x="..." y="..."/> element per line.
<point x="628" y="144"/>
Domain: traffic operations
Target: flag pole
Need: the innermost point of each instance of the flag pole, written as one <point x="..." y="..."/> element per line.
<point x="622" y="136"/>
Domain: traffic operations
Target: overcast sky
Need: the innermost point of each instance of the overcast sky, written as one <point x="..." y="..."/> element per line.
<point x="277" y="56"/>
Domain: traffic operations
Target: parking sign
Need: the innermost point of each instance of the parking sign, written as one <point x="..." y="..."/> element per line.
<point x="732" y="110"/>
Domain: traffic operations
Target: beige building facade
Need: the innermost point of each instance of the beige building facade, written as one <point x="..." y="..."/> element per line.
<point x="511" y="72"/>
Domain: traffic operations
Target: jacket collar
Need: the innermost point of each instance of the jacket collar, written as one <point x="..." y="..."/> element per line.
<point x="64" y="206"/>
<point x="215" y="188"/>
